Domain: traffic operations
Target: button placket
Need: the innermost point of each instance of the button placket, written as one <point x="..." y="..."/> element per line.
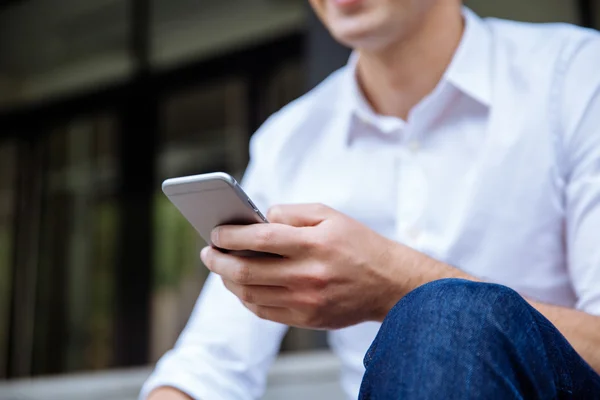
<point x="412" y="193"/>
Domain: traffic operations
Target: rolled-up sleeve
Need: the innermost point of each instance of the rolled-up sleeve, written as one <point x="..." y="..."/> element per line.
<point x="225" y="351"/>
<point x="582" y="157"/>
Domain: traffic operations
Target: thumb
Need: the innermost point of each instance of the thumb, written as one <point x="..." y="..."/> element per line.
<point x="299" y="215"/>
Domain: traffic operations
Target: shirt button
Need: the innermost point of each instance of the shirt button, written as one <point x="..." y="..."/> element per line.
<point x="413" y="232"/>
<point x="414" y="146"/>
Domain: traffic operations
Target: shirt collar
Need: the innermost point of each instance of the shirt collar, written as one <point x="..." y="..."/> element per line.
<point x="469" y="71"/>
<point x="470" y="68"/>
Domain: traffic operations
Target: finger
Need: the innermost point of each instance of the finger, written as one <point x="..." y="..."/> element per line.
<point x="272" y="296"/>
<point x="278" y="239"/>
<point x="247" y="270"/>
<point x="275" y="314"/>
<point x="299" y="215"/>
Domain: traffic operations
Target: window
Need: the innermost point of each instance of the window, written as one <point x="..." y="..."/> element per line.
<point x="203" y="129"/>
<point x="65" y="198"/>
<point x="64" y="248"/>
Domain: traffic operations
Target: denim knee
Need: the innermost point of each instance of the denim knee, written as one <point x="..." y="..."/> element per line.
<point x="475" y="340"/>
<point x="468" y="314"/>
<point x="459" y="297"/>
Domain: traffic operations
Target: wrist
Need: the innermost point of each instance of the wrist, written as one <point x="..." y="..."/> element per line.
<point x="395" y="281"/>
<point x="407" y="269"/>
<point x="168" y="393"/>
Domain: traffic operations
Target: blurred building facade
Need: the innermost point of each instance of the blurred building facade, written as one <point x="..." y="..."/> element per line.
<point x="100" y="100"/>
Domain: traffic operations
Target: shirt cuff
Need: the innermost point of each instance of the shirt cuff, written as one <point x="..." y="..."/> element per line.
<point x="179" y="381"/>
<point x="198" y="380"/>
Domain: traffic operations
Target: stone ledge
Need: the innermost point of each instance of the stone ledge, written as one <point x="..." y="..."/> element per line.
<point x="294" y="376"/>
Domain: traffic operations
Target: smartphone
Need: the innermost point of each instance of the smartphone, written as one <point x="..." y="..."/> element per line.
<point x="210" y="200"/>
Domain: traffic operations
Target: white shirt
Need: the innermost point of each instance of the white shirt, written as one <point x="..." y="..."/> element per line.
<point x="496" y="172"/>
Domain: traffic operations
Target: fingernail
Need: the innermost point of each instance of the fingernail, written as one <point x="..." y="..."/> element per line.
<point x="214" y="236"/>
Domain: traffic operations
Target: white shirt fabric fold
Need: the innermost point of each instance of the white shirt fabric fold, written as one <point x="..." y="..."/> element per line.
<point x="496" y="172"/>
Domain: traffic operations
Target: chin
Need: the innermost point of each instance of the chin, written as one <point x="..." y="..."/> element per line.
<point x="367" y="28"/>
<point x="361" y="36"/>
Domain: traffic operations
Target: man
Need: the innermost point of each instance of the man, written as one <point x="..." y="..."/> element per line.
<point x="449" y="147"/>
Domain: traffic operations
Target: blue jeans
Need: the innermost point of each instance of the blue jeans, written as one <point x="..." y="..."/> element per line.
<point x="455" y="339"/>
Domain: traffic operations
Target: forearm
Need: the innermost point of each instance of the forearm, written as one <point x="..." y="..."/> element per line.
<point x="582" y="330"/>
<point x="168" y="393"/>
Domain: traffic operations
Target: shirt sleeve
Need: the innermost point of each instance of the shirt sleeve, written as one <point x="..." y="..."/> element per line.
<point x="582" y="157"/>
<point x="225" y="351"/>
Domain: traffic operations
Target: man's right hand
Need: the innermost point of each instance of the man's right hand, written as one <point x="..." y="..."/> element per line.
<point x="168" y="393"/>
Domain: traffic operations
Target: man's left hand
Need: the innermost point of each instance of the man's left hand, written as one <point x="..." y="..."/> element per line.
<point x="334" y="272"/>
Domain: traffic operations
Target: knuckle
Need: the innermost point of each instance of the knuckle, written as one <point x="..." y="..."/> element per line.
<point x="251" y="307"/>
<point x="264" y="237"/>
<point x="242" y="274"/>
<point x="246" y="294"/>
<point x="314" y="301"/>
<point x="261" y="312"/>
<point x="227" y="284"/>
<point x="321" y="208"/>
<point x="314" y="241"/>
<point x="319" y="278"/>
<point x="320" y="244"/>
<point x="307" y="242"/>
<point x="312" y="320"/>
<point x="322" y="301"/>
<point x="274" y="213"/>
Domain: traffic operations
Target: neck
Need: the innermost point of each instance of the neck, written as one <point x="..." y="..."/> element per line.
<point x="396" y="78"/>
